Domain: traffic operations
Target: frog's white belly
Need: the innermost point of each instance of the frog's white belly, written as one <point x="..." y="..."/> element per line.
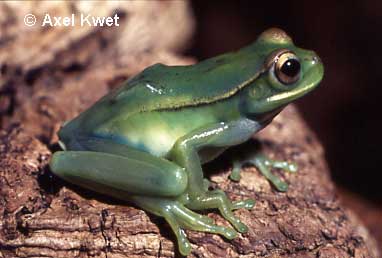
<point x="155" y="133"/>
<point x="157" y="140"/>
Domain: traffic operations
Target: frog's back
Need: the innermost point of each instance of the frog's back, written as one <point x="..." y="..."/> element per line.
<point x="161" y="87"/>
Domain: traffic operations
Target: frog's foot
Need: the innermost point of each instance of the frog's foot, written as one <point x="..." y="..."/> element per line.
<point x="218" y="199"/>
<point x="264" y="165"/>
<point x="179" y="218"/>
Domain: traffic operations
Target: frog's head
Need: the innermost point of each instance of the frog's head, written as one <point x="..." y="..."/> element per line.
<point x="287" y="73"/>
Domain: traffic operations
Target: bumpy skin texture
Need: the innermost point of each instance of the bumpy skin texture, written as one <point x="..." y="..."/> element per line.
<point x="226" y="100"/>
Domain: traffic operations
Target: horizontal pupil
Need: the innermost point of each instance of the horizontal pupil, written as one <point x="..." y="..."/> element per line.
<point x="291" y="67"/>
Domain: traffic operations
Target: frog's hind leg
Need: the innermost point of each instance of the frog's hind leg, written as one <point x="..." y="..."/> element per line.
<point x="155" y="184"/>
<point x="264" y="165"/>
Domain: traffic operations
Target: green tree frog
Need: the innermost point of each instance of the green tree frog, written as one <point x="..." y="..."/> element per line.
<point x="145" y="142"/>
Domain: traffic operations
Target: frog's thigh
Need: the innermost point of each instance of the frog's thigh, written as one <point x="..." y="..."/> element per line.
<point x="115" y="174"/>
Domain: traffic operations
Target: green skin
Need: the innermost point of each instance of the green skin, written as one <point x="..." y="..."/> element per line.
<point x="146" y="141"/>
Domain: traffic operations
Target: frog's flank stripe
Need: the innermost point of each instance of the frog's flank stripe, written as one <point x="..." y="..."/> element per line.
<point x="203" y="101"/>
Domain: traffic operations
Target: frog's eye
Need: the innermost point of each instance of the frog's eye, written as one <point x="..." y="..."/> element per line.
<point x="287" y="68"/>
<point x="284" y="68"/>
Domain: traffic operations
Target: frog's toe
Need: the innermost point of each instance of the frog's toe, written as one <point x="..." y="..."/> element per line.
<point x="243" y="204"/>
<point x="281" y="164"/>
<point x="184" y="246"/>
<point x="183" y="243"/>
<point x="280" y="185"/>
<point x="218" y="199"/>
<point x="236" y="168"/>
<point x="191" y="220"/>
<point x="204" y="219"/>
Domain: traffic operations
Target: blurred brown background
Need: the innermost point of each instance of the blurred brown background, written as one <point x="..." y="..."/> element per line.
<point x="344" y="111"/>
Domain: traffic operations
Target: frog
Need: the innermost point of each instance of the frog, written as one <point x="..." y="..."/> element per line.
<point x="145" y="142"/>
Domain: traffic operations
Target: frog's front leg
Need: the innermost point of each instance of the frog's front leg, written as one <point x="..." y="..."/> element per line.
<point x="185" y="154"/>
<point x="264" y="165"/>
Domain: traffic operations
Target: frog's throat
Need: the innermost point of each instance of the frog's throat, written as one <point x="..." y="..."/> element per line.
<point x="266" y="118"/>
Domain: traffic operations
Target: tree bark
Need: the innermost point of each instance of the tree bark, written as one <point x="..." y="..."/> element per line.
<point x="48" y="75"/>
